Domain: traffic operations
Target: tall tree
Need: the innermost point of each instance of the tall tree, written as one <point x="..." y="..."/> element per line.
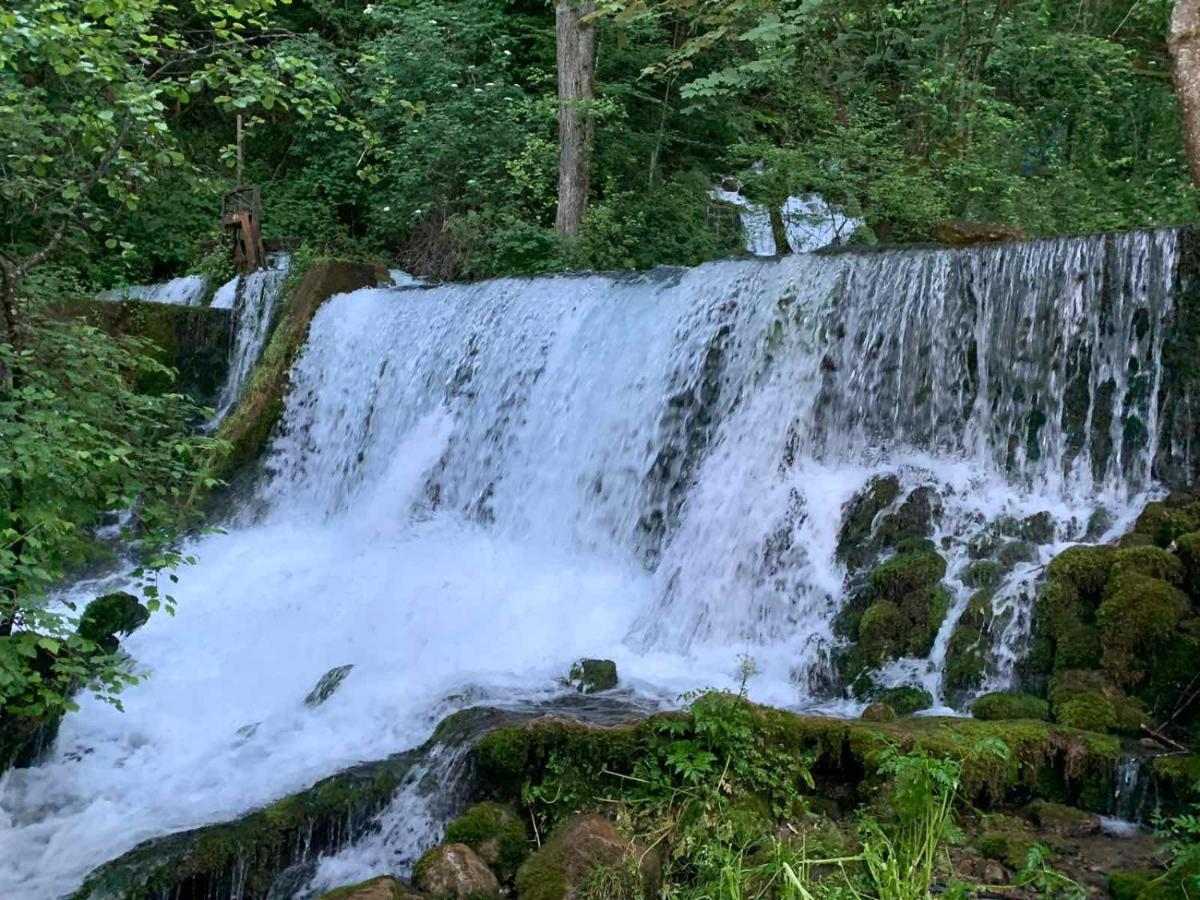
<point x="576" y="51"/>
<point x="1184" y="44"/>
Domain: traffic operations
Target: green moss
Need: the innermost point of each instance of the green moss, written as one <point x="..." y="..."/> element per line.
<point x="589" y="676"/>
<point x="969" y="651"/>
<point x="1009" y="846"/>
<point x="878" y="712"/>
<point x="1164" y="521"/>
<point x="1014" y="552"/>
<point x="1180" y="882"/>
<point x="1084" y="699"/>
<point x="1177" y="779"/>
<point x="906" y="574"/>
<point x="1188" y="549"/>
<point x="1153" y="562"/>
<point x="496" y="833"/>
<point x="881" y="633"/>
<point x="1126" y="884"/>
<point x="1010" y="705"/>
<point x="543" y="875"/>
<point x="1137" y="615"/>
<point x="1083" y="569"/>
<point x="859" y="518"/>
<point x="383" y="882"/>
<point x="983" y="573"/>
<point x="249" y="426"/>
<point x="905" y="700"/>
<point x="1065" y="611"/>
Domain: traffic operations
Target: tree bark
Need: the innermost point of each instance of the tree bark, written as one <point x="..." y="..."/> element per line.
<point x="1184" y="45"/>
<point x="576" y="50"/>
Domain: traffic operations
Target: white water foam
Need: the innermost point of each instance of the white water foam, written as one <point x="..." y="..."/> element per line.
<point x="478" y="484"/>
<point x="187" y="290"/>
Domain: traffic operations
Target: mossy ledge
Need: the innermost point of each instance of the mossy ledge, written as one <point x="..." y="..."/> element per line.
<point x="247" y="429"/>
<point x="251" y="851"/>
<point x="1047" y="761"/>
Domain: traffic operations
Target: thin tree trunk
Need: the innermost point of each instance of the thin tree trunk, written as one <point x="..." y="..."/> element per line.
<point x="1184" y="44"/>
<point x="576" y="42"/>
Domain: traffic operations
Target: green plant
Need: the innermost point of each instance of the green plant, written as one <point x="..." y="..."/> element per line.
<point x="1039" y="876"/>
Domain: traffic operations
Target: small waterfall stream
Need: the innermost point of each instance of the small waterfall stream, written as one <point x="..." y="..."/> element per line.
<point x="475" y="485"/>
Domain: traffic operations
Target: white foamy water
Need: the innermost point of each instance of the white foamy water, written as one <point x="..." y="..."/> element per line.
<point x="187" y="290"/>
<point x="476" y="485"/>
<point x="253" y="299"/>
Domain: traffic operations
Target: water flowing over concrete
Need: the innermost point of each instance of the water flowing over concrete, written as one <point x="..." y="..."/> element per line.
<point x="475" y="485"/>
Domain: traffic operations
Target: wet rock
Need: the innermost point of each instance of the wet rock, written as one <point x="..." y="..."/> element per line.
<point x="580" y="849"/>
<point x="496" y="833"/>
<point x="109" y="618"/>
<point x="328" y="683"/>
<point x="455" y="872"/>
<point x="983" y="573"/>
<point x="590" y="676"/>
<point x="968" y="654"/>
<point x="859" y="515"/>
<point x="1065" y="821"/>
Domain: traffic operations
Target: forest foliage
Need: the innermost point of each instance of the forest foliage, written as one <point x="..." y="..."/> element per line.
<point x="424" y="131"/>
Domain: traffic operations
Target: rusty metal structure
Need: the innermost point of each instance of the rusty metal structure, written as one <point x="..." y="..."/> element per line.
<point x="241" y="214"/>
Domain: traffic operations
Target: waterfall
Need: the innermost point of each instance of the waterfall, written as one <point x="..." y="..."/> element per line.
<point x="187" y="290"/>
<point x="474" y="485"/>
<point x="253" y="299"/>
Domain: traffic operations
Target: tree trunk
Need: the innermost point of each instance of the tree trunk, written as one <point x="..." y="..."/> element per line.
<point x="1184" y="44"/>
<point x="576" y="40"/>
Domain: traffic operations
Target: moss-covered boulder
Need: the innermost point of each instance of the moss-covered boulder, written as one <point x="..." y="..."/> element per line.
<point x="968" y="654"/>
<point x="1162" y="522"/>
<point x="385" y="887"/>
<point x="109" y="618"/>
<point x="1126" y="884"/>
<point x="906" y="699"/>
<point x="878" y="712"/>
<point x="1139" y="613"/>
<point x="496" y="833"/>
<point x="982" y="573"/>
<point x="1153" y="562"/>
<point x="1085" y="699"/>
<point x="582" y="850"/>
<point x="455" y="872"/>
<point x="1065" y="633"/>
<point x="590" y="676"/>
<point x="1187" y="548"/>
<point x="1001" y="705"/>
<point x="907" y="605"/>
<point x="858" y="519"/>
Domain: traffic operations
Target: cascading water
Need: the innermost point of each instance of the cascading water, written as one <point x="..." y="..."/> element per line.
<point x="253" y="298"/>
<point x="475" y="485"/>
<point x="187" y="290"/>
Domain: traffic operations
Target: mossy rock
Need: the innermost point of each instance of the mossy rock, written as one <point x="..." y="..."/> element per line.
<point x="907" y="573"/>
<point x="1045" y="760"/>
<point x="1153" y="562"/>
<point x="858" y="519"/>
<point x="1188" y="549"/>
<point x="1037" y="528"/>
<point x="1126" y="884"/>
<point x="1064" y="634"/>
<point x="878" y="712"/>
<point x="1010" y="847"/>
<point x="108" y="618"/>
<point x="913" y="520"/>
<point x="590" y="676"/>
<point x="496" y="833"/>
<point x="1002" y="705"/>
<point x="1162" y="522"/>
<point x="455" y="872"/>
<point x="1138" y="614"/>
<point x="968" y="655"/>
<point x="327" y="685"/>
<point x="1177" y="779"/>
<point x="905" y="700"/>
<point x="580" y="849"/>
<point x="983" y="573"/>
<point x="1084" y="570"/>
<point x="1062" y="820"/>
<point x="1084" y="699"/>
<point x="1013" y="553"/>
<point x="881" y="633"/>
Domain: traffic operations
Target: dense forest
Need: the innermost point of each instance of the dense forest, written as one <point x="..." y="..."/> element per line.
<point x="427" y="132"/>
<point x="312" y="573"/>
